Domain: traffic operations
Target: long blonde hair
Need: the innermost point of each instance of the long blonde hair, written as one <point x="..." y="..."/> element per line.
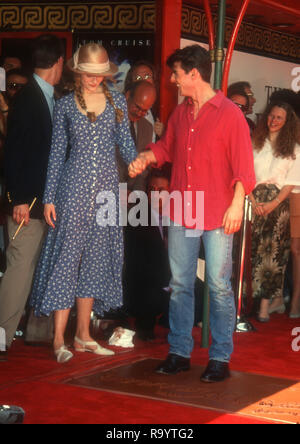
<point x="91" y="115"/>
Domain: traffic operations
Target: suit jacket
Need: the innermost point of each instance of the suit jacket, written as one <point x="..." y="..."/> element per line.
<point x="146" y="259"/>
<point x="27" y="149"/>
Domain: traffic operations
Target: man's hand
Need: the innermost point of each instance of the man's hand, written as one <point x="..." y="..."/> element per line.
<point x="140" y="163"/>
<point x="50" y="214"/>
<point x="21" y="212"/>
<point x="233" y="219"/>
<point x="234" y="215"/>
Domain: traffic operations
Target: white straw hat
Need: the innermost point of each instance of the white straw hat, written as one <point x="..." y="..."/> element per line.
<point x="92" y="59"/>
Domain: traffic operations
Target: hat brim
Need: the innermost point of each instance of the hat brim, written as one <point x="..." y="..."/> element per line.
<point x="111" y="72"/>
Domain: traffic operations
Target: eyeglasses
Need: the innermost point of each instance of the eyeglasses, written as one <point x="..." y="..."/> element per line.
<point x="243" y="108"/>
<point x="15" y="85"/>
<point x="140" y="110"/>
<point x="145" y="77"/>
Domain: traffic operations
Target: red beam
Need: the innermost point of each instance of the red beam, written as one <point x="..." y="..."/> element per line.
<point x="280" y="5"/>
<point x="231" y="46"/>
<point x="168" y="35"/>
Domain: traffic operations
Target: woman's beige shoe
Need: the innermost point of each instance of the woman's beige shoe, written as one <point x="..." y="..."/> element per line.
<point x="98" y="350"/>
<point x="280" y="309"/>
<point x="63" y="355"/>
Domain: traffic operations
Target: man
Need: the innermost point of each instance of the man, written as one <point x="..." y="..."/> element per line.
<point x="11" y="62"/>
<point x="208" y="142"/>
<point x="140" y="97"/>
<point x="242" y="101"/>
<point x="241" y="88"/>
<point x="27" y="150"/>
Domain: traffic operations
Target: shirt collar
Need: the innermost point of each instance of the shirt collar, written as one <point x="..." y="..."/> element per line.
<point x="215" y="101"/>
<point x="45" y="86"/>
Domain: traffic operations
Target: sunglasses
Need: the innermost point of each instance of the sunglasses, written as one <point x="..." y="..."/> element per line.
<point x="243" y="108"/>
<point x="15" y="85"/>
<point x="145" y="77"/>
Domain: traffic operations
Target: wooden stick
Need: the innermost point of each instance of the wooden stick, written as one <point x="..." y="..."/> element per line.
<point x="22" y="223"/>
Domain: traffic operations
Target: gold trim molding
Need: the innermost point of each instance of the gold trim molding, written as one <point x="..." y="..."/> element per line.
<point x="133" y="16"/>
<point x="137" y="16"/>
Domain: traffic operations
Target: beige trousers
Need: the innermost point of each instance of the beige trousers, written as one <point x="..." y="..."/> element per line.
<point x="22" y="256"/>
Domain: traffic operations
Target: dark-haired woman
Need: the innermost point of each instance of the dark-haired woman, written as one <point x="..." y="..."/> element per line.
<point x="82" y="258"/>
<point x="277" y="168"/>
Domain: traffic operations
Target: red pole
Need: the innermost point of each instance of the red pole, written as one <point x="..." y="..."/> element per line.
<point x="211" y="30"/>
<point x="281" y="6"/>
<point x="232" y="45"/>
<point x="168" y="35"/>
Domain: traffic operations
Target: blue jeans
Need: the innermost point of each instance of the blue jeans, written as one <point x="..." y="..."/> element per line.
<point x="183" y="254"/>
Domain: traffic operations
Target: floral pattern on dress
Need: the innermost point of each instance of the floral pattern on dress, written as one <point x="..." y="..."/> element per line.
<point x="270" y="246"/>
<point x="81" y="259"/>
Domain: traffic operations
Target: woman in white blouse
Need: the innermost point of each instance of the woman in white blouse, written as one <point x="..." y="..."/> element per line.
<point x="277" y="167"/>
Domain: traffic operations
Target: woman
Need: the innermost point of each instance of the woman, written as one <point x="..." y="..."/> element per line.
<point x="277" y="167"/>
<point x="80" y="259"/>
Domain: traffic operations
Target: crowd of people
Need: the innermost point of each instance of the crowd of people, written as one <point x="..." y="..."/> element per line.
<point x="67" y="135"/>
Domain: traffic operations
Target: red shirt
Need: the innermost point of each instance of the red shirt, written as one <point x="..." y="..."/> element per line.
<point x="209" y="154"/>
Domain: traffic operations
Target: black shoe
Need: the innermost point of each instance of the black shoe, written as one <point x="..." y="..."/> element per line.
<point x="145" y="335"/>
<point x="216" y="372"/>
<point x="174" y="364"/>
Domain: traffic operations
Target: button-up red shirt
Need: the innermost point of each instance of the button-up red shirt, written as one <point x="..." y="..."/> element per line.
<point x="209" y="154"/>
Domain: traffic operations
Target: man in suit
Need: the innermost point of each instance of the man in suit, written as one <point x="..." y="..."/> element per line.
<point x="140" y="97"/>
<point x="147" y="270"/>
<point x="27" y="149"/>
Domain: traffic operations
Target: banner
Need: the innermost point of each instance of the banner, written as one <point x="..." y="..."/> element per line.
<point x="123" y="49"/>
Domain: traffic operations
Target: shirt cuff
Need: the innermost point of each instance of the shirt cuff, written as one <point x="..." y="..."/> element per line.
<point x="248" y="184"/>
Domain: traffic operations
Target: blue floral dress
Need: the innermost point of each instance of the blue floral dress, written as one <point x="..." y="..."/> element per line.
<point x="80" y="258"/>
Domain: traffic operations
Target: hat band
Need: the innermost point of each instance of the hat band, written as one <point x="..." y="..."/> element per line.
<point x="93" y="68"/>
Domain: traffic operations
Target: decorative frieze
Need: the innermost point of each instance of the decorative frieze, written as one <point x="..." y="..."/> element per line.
<point x="53" y="16"/>
<point x="252" y="38"/>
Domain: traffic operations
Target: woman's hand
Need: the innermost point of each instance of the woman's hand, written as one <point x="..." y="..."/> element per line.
<point x="50" y="214"/>
<point x="259" y="209"/>
<point x="265" y="208"/>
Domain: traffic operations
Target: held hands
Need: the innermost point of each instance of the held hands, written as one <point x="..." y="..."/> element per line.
<point x="50" y="214"/>
<point x="140" y="163"/>
<point x="265" y="208"/>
